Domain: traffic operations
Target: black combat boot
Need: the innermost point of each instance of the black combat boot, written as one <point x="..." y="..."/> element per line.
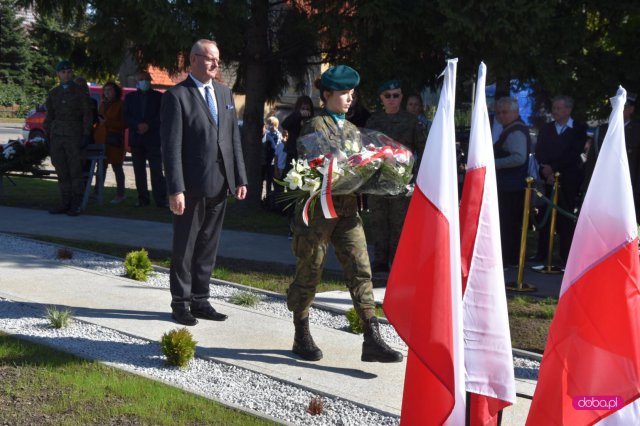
<point x="303" y="343"/>
<point x="374" y="349"/>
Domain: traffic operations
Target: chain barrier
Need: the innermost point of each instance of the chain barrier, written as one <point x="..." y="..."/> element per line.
<point x="550" y="206"/>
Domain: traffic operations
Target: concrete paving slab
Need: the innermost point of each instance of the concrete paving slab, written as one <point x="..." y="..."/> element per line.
<point x="249" y="339"/>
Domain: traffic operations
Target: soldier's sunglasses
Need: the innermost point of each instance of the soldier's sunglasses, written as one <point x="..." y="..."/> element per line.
<point x="392" y="95"/>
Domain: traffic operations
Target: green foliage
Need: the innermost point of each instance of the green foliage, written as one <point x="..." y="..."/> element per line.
<point x="245" y="298"/>
<point x="58" y="318"/>
<point x="178" y="346"/>
<point x="138" y="265"/>
<point x="355" y="322"/>
<point x="15" y="54"/>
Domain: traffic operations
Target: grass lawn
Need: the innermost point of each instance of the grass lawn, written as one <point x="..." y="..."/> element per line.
<point x="40" y="385"/>
<point x="529" y="317"/>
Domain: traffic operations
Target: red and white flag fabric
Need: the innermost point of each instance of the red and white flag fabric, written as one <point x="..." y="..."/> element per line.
<point x="592" y="357"/>
<point x="423" y="299"/>
<point x="488" y="356"/>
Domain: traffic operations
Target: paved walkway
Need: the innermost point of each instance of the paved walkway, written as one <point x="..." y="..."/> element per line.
<point x="139" y="310"/>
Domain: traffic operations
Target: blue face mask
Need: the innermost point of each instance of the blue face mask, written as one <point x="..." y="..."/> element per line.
<point x="143" y="85"/>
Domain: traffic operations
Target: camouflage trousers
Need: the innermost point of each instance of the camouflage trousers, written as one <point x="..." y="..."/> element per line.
<point x="387" y="219"/>
<point x="67" y="158"/>
<point x="310" y="245"/>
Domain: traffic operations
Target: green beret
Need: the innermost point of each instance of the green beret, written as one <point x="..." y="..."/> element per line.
<point x="63" y="65"/>
<point x="340" y="77"/>
<point x="389" y="85"/>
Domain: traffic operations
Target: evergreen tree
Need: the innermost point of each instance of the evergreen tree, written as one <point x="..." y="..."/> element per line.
<point x="15" y="54"/>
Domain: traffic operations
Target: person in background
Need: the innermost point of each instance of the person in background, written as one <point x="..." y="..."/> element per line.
<point x="358" y="114"/>
<point x="302" y="111"/>
<point x="345" y="232"/>
<point x="82" y="82"/>
<point x="281" y="159"/>
<point x="388" y="212"/>
<point x="511" y="152"/>
<point x="558" y="149"/>
<point x="110" y="132"/>
<point x="142" y="114"/>
<point x="415" y="107"/>
<point x="270" y="140"/>
<point x="68" y="126"/>
<point x="203" y="162"/>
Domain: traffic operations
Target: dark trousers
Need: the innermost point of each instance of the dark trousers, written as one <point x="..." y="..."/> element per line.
<point x="565" y="227"/>
<point x="196" y="234"/>
<point x="118" y="171"/>
<point x="510" y="205"/>
<point x="140" y="154"/>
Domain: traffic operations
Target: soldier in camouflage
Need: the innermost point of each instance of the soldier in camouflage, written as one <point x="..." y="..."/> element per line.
<point x="388" y="212"/>
<point x="68" y="129"/>
<point x="345" y="232"/>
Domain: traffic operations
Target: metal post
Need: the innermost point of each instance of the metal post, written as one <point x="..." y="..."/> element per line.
<point x="549" y="268"/>
<point x="519" y="285"/>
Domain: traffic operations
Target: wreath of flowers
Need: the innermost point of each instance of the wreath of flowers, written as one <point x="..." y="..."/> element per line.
<point x="22" y="156"/>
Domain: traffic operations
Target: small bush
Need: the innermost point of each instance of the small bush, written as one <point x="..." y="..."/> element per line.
<point x="316" y="406"/>
<point x="355" y="323"/>
<point x="138" y="265"/>
<point x="245" y="298"/>
<point x="178" y="346"/>
<point x="64" y="253"/>
<point x="59" y="318"/>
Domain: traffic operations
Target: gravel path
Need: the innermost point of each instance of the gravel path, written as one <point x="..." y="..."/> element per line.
<point x="220" y="381"/>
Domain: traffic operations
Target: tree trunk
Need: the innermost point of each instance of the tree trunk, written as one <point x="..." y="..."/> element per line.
<point x="256" y="81"/>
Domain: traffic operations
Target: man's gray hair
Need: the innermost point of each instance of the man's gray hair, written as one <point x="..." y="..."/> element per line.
<point x="198" y="46"/>
<point x="512" y="103"/>
<point x="568" y="101"/>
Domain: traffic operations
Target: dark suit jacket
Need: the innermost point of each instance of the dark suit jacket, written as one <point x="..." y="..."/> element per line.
<point x="194" y="149"/>
<point x="562" y="152"/>
<point x="133" y="116"/>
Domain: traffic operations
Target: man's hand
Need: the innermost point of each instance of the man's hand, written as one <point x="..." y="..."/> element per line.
<point x="142" y="128"/>
<point x="176" y="203"/>
<point x="546" y="170"/>
<point x="241" y="192"/>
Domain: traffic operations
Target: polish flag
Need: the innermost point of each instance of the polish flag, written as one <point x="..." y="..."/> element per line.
<point x="487" y="342"/>
<point x="593" y="349"/>
<point x="423" y="300"/>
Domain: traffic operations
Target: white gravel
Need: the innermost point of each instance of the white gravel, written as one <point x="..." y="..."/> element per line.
<point x="226" y="383"/>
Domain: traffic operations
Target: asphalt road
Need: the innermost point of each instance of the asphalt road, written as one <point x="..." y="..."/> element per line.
<point x="9" y="131"/>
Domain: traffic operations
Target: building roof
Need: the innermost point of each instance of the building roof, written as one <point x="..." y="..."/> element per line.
<point x="160" y="77"/>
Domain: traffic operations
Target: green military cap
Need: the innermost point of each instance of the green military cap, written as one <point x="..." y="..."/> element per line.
<point x="389" y="85"/>
<point x="340" y="77"/>
<point x="63" y="65"/>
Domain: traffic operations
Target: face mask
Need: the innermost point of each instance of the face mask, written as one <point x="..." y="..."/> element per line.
<point x="143" y="85"/>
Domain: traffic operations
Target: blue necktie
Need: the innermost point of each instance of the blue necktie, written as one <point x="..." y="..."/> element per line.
<point x="211" y="104"/>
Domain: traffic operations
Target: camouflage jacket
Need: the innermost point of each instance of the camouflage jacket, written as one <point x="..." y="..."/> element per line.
<point x="69" y="112"/>
<point x="404" y="127"/>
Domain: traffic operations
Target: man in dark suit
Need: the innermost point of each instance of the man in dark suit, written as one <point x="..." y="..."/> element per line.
<point x="142" y="114"/>
<point x="558" y="149"/>
<point x="203" y="161"/>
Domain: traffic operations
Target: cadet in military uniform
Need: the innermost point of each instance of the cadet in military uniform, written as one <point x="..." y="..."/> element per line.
<point x="345" y="232"/>
<point x="388" y="212"/>
<point x="68" y="129"/>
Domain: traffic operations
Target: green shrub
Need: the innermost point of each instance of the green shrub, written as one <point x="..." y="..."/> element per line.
<point x="355" y="323"/>
<point x="58" y="318"/>
<point x="245" y="298"/>
<point x="178" y="346"/>
<point x="138" y="265"/>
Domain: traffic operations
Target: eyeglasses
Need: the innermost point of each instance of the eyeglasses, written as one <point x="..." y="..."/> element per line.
<point x="209" y="59"/>
<point x="392" y="95"/>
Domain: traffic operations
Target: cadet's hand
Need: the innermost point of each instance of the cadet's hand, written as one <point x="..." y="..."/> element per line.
<point x="176" y="203"/>
<point x="241" y="192"/>
<point x="546" y="170"/>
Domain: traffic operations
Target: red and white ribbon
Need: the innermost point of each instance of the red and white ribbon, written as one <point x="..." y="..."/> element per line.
<point x="305" y="209"/>
<point x="325" y="192"/>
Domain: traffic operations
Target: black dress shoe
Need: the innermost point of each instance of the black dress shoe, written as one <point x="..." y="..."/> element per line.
<point x="184" y="317"/>
<point x="207" y="312"/>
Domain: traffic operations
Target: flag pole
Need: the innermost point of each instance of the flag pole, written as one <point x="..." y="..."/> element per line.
<point x="519" y="285"/>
